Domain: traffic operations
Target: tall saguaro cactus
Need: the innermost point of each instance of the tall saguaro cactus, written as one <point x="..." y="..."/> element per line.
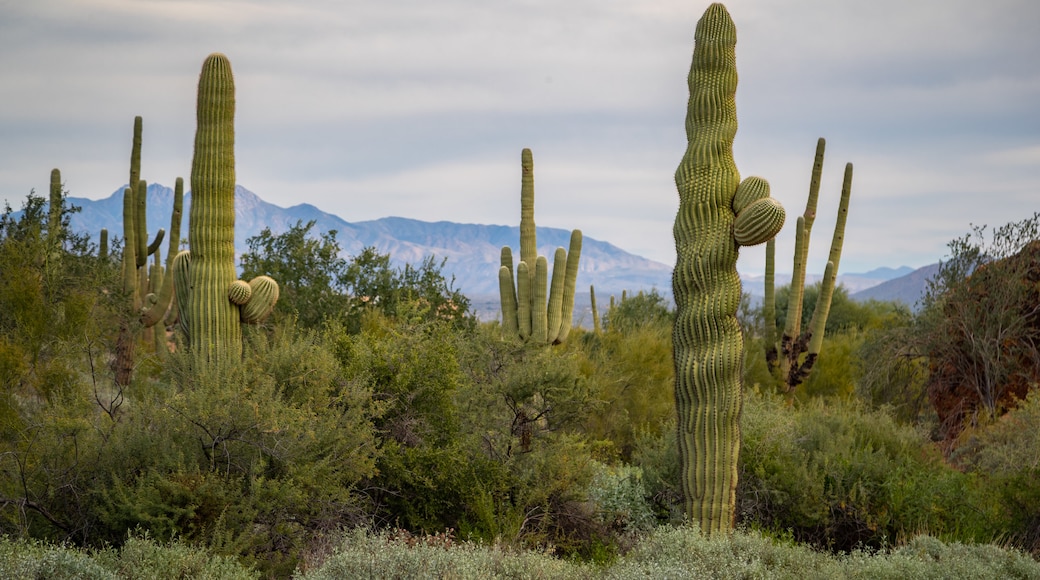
<point x="789" y="364"/>
<point x="214" y="302"/>
<point x="527" y="312"/>
<point x="717" y="214"/>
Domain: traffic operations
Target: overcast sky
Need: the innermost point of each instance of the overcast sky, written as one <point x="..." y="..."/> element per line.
<point x="419" y="109"/>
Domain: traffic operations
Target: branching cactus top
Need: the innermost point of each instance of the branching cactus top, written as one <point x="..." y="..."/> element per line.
<point x="717" y="214"/>
<point x="527" y="311"/>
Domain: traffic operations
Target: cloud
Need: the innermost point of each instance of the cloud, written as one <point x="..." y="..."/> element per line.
<point x="420" y="109"/>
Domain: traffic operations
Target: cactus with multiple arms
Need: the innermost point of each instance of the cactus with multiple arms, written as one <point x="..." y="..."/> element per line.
<point x="149" y="298"/>
<point x="792" y="369"/>
<point x="212" y="303"/>
<point x="527" y="312"/>
<point x="717" y="213"/>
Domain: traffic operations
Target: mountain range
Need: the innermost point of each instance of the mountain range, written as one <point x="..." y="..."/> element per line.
<point x="472" y="250"/>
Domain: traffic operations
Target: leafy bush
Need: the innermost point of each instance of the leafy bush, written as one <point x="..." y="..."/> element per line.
<point x="139" y="557"/>
<point x="318" y="285"/>
<point x="840" y="476"/>
<point x="667" y="552"/>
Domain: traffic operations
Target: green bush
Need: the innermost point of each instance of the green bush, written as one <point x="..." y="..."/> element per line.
<point x="840" y="476"/>
<point x="138" y="558"/>
<point x="667" y="552"/>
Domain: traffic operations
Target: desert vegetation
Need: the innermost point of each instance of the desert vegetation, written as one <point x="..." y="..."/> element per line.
<point x="387" y="432"/>
<point x="338" y="416"/>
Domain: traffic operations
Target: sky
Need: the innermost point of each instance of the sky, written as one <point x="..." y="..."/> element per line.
<point x="420" y="109"/>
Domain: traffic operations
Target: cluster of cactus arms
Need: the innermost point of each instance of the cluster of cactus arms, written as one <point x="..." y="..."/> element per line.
<point x="717" y="214"/>
<point x="789" y="363"/>
<point x="149" y="298"/>
<point x="212" y="303"/>
<point x="527" y="312"/>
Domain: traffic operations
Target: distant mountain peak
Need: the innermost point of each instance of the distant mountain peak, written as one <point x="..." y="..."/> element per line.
<point x="473" y="250"/>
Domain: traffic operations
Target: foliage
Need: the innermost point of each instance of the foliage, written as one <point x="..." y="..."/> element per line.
<point x="978" y="330"/>
<point x="667" y="552"/>
<point x="255" y="458"/>
<point x="840" y="476"/>
<point x="318" y="285"/>
<point x="643" y="309"/>
<point x="139" y="557"/>
<point x="308" y="271"/>
<point x="634" y="376"/>
<point x="845" y="313"/>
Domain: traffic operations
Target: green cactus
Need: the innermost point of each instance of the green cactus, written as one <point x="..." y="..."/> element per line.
<point x="162" y="290"/>
<point x="149" y="298"/>
<point x="789" y="364"/>
<point x="103" y="245"/>
<point x="595" y="313"/>
<point x="206" y="281"/>
<point x="55" y="206"/>
<point x="527" y="312"/>
<point x="717" y="213"/>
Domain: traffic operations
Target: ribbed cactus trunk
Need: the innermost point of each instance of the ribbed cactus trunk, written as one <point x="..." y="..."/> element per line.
<point x="717" y="213"/>
<point x="214" y="327"/>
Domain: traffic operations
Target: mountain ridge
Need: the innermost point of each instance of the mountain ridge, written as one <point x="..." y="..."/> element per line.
<point x="472" y="250"/>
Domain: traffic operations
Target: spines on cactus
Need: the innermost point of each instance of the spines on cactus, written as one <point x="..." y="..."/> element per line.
<point x="207" y="275"/>
<point x="527" y="311"/>
<point x="708" y="348"/>
<point x="215" y="328"/>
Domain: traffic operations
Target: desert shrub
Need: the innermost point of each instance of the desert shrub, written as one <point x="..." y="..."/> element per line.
<point x="632" y="377"/>
<point x="892" y="375"/>
<point x="620" y="498"/>
<point x="139" y="557"/>
<point x="836" y="475"/>
<point x="840" y="476"/>
<point x="1005" y="454"/>
<point x="383" y="555"/>
<point x="24" y="559"/>
<point x="667" y="552"/>
<point x="836" y="372"/>
<point x="657" y="454"/>
<point x="251" y="459"/>
<point x="978" y="329"/>
<point x="142" y="557"/>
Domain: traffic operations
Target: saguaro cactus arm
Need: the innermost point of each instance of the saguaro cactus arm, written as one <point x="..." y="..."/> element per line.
<point x="153" y="314"/>
<point x="795" y="341"/>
